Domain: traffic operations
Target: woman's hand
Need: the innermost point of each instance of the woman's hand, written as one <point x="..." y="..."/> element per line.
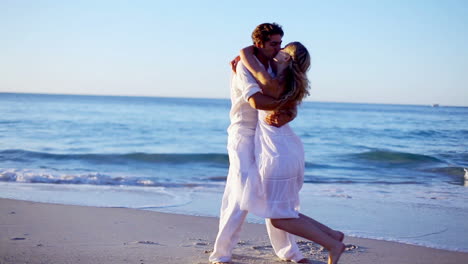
<point x="234" y="63"/>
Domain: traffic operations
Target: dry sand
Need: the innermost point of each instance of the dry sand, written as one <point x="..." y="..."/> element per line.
<point x="49" y="233"/>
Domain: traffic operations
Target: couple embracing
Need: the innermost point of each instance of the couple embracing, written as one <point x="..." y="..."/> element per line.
<point x="266" y="157"/>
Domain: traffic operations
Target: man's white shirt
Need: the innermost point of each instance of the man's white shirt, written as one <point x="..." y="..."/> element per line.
<point x="243" y="117"/>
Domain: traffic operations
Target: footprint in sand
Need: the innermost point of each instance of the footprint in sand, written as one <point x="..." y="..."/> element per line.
<point x="18" y="238"/>
<point x="145" y="242"/>
<point x="242" y="243"/>
<point x="262" y="247"/>
<point x="354" y="248"/>
<point x="200" y="242"/>
<point x="148" y="243"/>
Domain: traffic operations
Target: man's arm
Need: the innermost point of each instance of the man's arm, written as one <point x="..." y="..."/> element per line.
<point x="279" y="117"/>
<point x="260" y="101"/>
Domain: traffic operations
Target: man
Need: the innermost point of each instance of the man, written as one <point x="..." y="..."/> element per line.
<point x="246" y="98"/>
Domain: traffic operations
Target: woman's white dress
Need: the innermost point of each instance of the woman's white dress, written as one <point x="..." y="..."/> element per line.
<point x="273" y="183"/>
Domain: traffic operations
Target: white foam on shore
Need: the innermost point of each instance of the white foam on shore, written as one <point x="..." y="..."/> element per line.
<point x="92" y="195"/>
<point x="90" y="178"/>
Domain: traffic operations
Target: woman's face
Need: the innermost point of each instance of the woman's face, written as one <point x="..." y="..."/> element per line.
<point x="282" y="57"/>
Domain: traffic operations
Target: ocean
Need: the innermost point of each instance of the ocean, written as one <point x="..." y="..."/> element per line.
<point x="392" y="172"/>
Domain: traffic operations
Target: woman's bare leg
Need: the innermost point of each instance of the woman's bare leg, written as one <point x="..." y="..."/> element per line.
<point x="335" y="254"/>
<point x="302" y="227"/>
<point x="331" y="232"/>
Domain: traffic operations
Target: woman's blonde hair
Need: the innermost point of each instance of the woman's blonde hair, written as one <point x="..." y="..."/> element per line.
<point x="297" y="84"/>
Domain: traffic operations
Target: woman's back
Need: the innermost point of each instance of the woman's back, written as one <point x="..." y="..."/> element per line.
<point x="273" y="185"/>
<point x="279" y="150"/>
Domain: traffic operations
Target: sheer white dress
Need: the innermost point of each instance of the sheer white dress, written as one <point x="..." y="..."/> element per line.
<point x="273" y="183"/>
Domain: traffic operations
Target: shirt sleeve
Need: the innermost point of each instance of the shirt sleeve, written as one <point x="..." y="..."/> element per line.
<point x="247" y="82"/>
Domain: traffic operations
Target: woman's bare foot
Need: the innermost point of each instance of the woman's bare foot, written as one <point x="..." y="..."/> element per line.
<point x="334" y="254"/>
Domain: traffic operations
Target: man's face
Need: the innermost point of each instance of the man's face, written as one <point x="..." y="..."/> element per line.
<point x="271" y="47"/>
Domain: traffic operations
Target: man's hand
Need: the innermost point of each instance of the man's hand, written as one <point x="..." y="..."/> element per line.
<point x="278" y="119"/>
<point x="234" y="63"/>
<point x="283" y="116"/>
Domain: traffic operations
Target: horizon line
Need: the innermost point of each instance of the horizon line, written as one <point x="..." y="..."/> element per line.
<point x="226" y="98"/>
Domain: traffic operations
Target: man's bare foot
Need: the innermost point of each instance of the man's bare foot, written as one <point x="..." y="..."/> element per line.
<point x="335" y="253"/>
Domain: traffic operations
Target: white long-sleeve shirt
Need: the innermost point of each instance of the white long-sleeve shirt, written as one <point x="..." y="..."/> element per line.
<point x="243" y="117"/>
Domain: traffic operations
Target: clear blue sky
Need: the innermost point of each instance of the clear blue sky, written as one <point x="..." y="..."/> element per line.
<point x="388" y="51"/>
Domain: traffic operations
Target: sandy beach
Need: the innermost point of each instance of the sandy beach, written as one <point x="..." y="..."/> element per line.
<point x="33" y="232"/>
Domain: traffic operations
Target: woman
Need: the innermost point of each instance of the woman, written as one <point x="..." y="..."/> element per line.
<point x="272" y="188"/>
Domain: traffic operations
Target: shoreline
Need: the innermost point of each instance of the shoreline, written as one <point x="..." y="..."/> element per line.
<point x="389" y="218"/>
<point x="33" y="232"/>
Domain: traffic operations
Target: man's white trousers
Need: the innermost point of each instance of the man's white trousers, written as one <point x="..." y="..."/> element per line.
<point x="241" y="157"/>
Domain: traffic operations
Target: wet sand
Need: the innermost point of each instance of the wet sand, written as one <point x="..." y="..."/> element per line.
<point x="33" y="233"/>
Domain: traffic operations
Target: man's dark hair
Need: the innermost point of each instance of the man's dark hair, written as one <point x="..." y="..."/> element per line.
<point x="262" y="32"/>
